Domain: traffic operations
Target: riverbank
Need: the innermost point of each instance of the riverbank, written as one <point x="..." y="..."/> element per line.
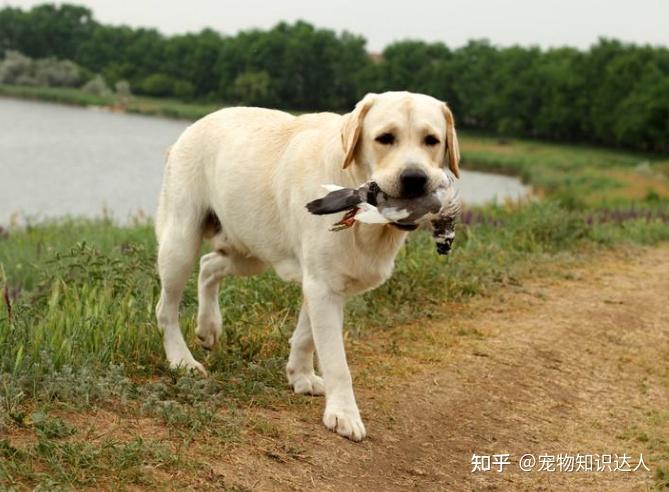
<point x="168" y="108"/>
<point x="541" y="164"/>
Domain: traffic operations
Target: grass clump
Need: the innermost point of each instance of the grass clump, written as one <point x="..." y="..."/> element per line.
<point x="50" y="465"/>
<point x="51" y="427"/>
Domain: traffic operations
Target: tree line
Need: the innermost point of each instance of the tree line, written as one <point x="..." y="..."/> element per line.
<point x="612" y="94"/>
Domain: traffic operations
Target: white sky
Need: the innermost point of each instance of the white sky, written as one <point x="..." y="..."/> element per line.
<point x="527" y="22"/>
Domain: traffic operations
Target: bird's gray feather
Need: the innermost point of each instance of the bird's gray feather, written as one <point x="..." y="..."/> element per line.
<point x="337" y="201"/>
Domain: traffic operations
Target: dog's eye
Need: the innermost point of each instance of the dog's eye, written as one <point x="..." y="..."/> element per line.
<point x="386" y="139"/>
<point x="431" y="141"/>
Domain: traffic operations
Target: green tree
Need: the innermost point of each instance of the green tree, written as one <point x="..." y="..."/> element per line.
<point x="253" y="88"/>
<point x="46" y="30"/>
<point x="158" y="85"/>
<point x="613" y="93"/>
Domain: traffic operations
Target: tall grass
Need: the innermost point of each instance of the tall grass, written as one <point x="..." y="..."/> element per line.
<point x="82" y="294"/>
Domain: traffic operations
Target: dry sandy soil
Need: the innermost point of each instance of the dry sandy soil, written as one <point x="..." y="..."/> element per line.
<point x="578" y="364"/>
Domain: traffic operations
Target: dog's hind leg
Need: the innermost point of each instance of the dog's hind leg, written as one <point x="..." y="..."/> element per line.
<point x="209" y="320"/>
<point x="300" y="367"/>
<point x="213" y="267"/>
<point x="179" y="241"/>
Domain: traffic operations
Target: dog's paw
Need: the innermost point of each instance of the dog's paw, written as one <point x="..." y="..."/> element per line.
<point x="209" y="329"/>
<point x="345" y="422"/>
<point x="307" y="384"/>
<point x="188" y="364"/>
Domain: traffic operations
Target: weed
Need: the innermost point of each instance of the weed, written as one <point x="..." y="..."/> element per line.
<point x="51" y="427"/>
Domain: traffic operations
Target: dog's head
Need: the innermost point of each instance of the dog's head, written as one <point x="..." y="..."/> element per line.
<point x="405" y="140"/>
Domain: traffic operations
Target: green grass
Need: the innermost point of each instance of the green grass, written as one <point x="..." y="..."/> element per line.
<point x="578" y="175"/>
<point x="88" y="291"/>
<point x="170" y="108"/>
<point x="82" y="335"/>
<point x="61" y="95"/>
<point x="53" y="464"/>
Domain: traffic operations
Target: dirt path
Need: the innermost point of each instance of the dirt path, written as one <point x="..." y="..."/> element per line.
<point x="561" y="366"/>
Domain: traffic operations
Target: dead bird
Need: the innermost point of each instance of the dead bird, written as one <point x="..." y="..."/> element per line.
<point x="368" y="204"/>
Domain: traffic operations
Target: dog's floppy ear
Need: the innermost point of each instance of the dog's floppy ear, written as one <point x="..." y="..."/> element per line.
<point x="452" y="152"/>
<point x="352" y="128"/>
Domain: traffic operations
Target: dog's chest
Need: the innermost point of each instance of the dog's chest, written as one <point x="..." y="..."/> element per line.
<point x="371" y="264"/>
<point x="365" y="279"/>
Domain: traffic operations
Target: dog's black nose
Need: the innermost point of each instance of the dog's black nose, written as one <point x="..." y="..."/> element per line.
<point x="412" y="183"/>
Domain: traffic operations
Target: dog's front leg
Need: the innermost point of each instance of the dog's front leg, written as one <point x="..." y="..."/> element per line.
<point x="326" y="313"/>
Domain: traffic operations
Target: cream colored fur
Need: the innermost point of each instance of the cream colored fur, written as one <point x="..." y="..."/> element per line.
<point x="256" y="169"/>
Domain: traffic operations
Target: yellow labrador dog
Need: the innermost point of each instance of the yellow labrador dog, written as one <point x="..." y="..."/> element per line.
<point x="242" y="177"/>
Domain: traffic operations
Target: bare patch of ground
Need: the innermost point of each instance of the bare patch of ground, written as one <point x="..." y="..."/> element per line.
<point x="578" y="365"/>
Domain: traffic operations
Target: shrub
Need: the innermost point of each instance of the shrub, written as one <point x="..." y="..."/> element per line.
<point x="122" y="88"/>
<point x="183" y="89"/>
<point x="18" y="69"/>
<point x="97" y="86"/>
<point x="51" y="72"/>
<point x="15" y="68"/>
<point x="158" y="85"/>
<point x="253" y="88"/>
<point x="26" y="79"/>
<point x="123" y="92"/>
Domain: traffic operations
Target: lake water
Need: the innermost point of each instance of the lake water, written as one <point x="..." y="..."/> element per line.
<point x="58" y="160"/>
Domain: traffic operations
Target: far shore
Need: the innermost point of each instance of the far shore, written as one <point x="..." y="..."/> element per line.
<point x="168" y="108"/>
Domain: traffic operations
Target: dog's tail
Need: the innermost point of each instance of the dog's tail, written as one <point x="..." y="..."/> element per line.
<point x="162" y="198"/>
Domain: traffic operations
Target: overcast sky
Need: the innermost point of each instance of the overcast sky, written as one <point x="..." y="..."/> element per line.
<point x="505" y="22"/>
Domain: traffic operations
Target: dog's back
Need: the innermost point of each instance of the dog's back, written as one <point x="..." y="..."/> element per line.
<point x="190" y="173"/>
<point x="239" y="163"/>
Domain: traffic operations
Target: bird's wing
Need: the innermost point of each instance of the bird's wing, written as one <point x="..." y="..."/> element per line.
<point x="335" y="201"/>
